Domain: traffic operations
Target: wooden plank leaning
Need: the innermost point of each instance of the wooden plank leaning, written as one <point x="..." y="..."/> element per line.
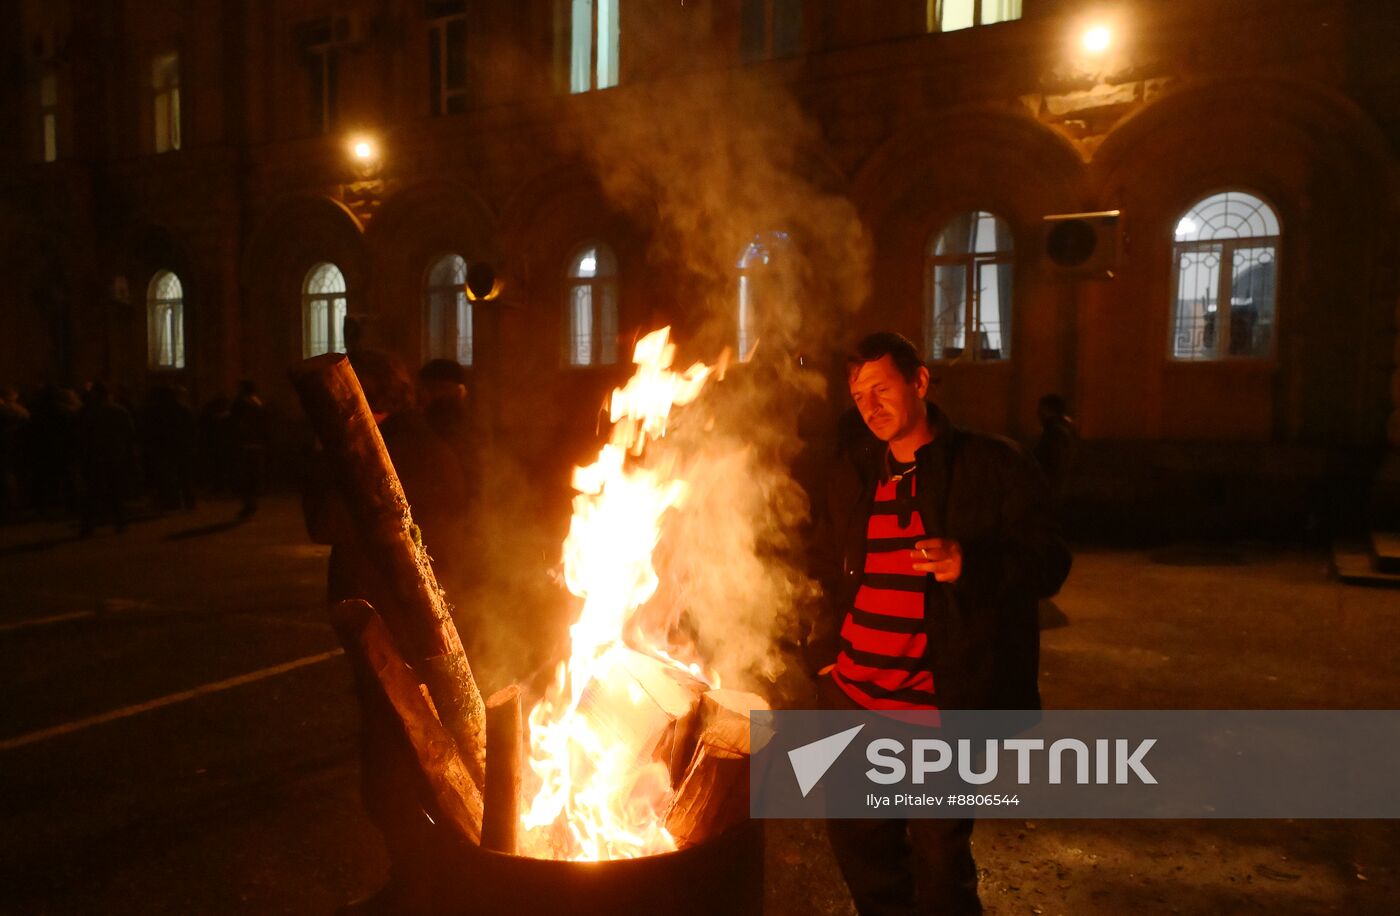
<point x="420" y="621"/>
<point x="372" y="650"/>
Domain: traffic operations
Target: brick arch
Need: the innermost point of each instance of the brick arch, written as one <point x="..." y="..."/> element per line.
<point x="451" y="212"/>
<point x="1325" y="168"/>
<point x="414" y="226"/>
<point x="1002" y="158"/>
<point x="1256" y="113"/>
<point x="286" y="240"/>
<point x="967" y="158"/>
<point x="304" y="228"/>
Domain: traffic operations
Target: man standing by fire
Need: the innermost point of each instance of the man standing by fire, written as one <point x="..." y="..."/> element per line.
<point x="934" y="545"/>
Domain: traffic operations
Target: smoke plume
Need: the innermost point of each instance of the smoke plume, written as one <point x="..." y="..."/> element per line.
<point x="711" y="164"/>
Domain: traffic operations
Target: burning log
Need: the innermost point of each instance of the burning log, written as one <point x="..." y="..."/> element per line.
<point x="419" y="619"/>
<point x="714" y="795"/>
<point x="371" y="646"/>
<point x="643" y="704"/>
<point x="504" y="749"/>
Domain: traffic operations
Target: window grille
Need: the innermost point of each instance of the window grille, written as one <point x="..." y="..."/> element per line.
<point x="591" y="307"/>
<point x="968" y="313"/>
<point x="952" y="15"/>
<point x="448" y="311"/>
<point x="1226" y="256"/>
<point x="323" y="310"/>
<point x="165" y="322"/>
<point x="447" y="57"/>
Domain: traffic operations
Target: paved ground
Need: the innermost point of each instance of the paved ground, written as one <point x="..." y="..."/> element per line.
<point x="226" y="780"/>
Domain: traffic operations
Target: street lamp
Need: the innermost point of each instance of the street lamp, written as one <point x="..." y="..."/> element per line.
<point x="364" y="154"/>
<point x="1096" y="38"/>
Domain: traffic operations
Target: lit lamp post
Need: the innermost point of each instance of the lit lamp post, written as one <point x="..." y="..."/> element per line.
<point x="1096" y="39"/>
<point x="363" y="192"/>
<point x="361" y="195"/>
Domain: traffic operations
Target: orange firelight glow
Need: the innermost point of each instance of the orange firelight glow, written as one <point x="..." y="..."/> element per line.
<point x="596" y="797"/>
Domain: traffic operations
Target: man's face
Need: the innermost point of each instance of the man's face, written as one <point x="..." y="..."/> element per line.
<point x="890" y="404"/>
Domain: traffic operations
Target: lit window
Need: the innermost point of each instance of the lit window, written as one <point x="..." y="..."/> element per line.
<point x="48" y="114"/>
<point x="1226" y="252"/>
<point x="323" y="311"/>
<point x="757" y="280"/>
<point x="447" y="57"/>
<point x="951" y="15"/>
<point x="594" y="36"/>
<point x="970" y="268"/>
<point x="321" y="63"/>
<point x="165" y="101"/>
<point x="448" y="312"/>
<point x="770" y="28"/>
<point x="592" y="307"/>
<point x="165" y="322"/>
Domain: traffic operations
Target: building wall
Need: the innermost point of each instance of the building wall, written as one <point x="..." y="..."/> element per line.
<point x="1299" y="103"/>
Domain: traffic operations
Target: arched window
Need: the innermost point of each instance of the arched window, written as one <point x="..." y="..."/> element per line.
<point x="447" y="311"/>
<point x="757" y="277"/>
<point x="592" y="307"/>
<point x="165" y="322"/>
<point x="970" y="288"/>
<point x="1226" y="254"/>
<point x="323" y="310"/>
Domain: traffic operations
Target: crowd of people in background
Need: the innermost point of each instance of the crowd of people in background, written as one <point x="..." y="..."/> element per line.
<point x="94" y="454"/>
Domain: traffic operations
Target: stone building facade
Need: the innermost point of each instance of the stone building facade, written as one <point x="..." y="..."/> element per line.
<point x="706" y="137"/>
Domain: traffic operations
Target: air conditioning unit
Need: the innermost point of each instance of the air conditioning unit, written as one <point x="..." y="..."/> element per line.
<point x="348" y="28"/>
<point x="1083" y="245"/>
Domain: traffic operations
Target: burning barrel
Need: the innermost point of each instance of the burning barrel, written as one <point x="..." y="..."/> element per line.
<point x="638" y="762"/>
<point x="724" y="874"/>
<point x="718" y="866"/>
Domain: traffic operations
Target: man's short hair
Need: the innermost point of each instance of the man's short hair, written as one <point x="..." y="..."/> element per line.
<point x="385" y="380"/>
<point x="896" y="346"/>
<point x="1053" y="403"/>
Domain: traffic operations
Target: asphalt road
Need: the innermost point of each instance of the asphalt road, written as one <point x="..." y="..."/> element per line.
<point x="177" y="732"/>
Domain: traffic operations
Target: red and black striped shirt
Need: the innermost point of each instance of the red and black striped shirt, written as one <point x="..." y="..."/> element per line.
<point x="880" y="665"/>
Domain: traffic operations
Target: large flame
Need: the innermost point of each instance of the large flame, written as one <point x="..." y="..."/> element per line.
<point x="598" y="798"/>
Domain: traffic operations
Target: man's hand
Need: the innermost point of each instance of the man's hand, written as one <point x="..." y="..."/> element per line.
<point x="939" y="556"/>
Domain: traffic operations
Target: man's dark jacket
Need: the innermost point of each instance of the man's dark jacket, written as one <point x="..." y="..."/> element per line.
<point x="984" y="493"/>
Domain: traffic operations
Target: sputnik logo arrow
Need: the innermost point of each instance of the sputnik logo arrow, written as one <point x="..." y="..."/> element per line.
<point x="811" y="761"/>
